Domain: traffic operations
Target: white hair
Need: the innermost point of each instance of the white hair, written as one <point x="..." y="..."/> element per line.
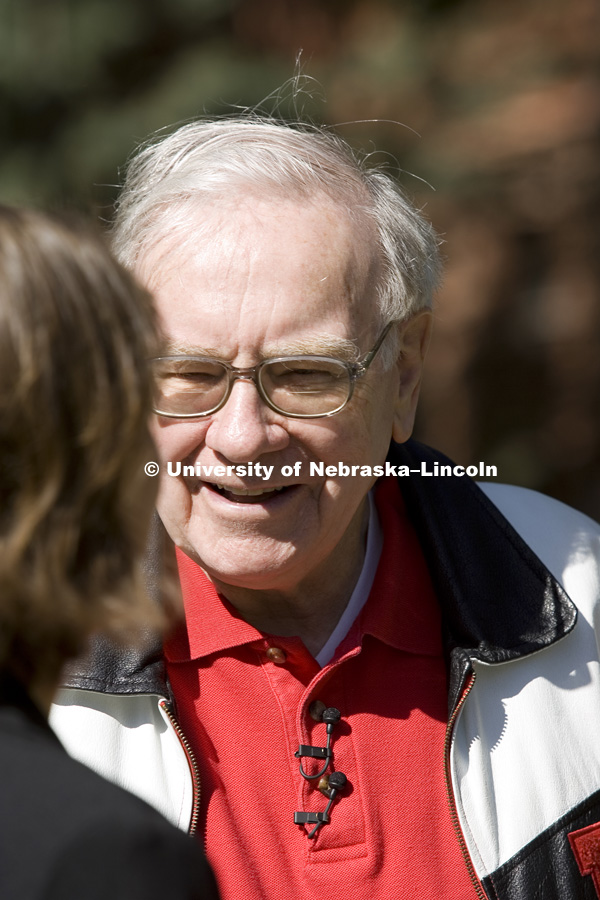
<point x="208" y="161"/>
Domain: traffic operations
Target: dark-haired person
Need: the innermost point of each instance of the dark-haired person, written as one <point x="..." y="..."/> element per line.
<point x="75" y="334"/>
<point x="391" y="683"/>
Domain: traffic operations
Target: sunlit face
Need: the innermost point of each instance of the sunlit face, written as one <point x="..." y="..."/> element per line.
<point x="270" y="278"/>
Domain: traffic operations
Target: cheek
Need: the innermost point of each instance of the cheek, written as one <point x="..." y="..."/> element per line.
<point x="366" y="439"/>
<point x="175" y="441"/>
<point x="374" y="431"/>
<point x="359" y="436"/>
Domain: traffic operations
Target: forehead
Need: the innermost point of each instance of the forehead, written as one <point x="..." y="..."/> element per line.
<point x="277" y="268"/>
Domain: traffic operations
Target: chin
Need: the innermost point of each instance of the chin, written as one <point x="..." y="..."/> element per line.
<point x="251" y="579"/>
<point x="252" y="564"/>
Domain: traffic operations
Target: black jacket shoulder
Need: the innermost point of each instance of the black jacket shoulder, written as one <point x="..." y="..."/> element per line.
<point x="66" y="832"/>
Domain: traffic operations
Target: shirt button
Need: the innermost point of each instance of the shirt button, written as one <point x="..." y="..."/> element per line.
<point x="316" y="710"/>
<point x="323" y="784"/>
<point x="276" y="655"/>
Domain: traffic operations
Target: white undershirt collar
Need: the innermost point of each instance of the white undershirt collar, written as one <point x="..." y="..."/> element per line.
<point x="362" y="588"/>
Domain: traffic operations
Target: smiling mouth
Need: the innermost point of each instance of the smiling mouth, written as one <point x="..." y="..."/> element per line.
<point x="243" y="495"/>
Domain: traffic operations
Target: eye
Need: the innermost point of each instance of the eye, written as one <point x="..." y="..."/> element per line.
<point x="305" y="374"/>
<point x="189" y="374"/>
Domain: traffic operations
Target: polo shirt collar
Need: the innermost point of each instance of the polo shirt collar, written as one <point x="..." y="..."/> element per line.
<point x="212" y="623"/>
<point x="402" y="610"/>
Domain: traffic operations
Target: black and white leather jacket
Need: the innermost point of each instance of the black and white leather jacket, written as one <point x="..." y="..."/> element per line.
<point x="517" y="575"/>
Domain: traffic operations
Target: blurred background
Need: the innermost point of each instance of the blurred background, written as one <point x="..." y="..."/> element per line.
<point x="489" y="113"/>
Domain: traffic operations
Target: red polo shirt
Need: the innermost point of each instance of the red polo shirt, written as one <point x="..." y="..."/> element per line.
<point x="244" y="700"/>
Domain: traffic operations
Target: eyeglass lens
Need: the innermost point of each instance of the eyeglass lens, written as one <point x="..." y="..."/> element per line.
<point x="298" y="385"/>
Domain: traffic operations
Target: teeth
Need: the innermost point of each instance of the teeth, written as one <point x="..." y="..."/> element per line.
<point x="240" y="492"/>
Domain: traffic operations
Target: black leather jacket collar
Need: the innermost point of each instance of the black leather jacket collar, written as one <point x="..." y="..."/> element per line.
<point x="498" y="600"/>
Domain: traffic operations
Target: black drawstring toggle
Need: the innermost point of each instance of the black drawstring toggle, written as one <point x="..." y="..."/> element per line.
<point x="337" y="780"/>
<point x="337" y="783"/>
<point x="331" y="716"/>
<point x="313" y="752"/>
<point x="310" y="818"/>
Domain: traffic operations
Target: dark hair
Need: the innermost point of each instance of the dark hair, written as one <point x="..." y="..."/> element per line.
<point x="76" y="331"/>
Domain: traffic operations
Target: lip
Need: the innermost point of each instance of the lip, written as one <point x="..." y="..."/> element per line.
<point x="247" y="496"/>
<point x="247" y="489"/>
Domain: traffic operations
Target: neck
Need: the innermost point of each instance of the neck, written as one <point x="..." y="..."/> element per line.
<point x="14" y="689"/>
<point x="42" y="695"/>
<point x="311" y="608"/>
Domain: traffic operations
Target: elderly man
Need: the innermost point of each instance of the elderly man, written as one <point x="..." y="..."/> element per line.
<point x="387" y="685"/>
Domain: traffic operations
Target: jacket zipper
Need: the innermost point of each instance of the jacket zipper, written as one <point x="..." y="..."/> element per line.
<point x="166" y="706"/>
<point x="450" y="792"/>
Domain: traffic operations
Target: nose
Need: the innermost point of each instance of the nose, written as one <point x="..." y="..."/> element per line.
<point x="243" y="429"/>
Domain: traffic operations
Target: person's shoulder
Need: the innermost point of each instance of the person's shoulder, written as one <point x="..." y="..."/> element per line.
<point x="131" y="853"/>
<point x="566" y="540"/>
<point x="130" y="848"/>
<point x="67" y="832"/>
<point x="526" y="508"/>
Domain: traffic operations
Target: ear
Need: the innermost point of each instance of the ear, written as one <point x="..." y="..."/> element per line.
<point x="413" y="342"/>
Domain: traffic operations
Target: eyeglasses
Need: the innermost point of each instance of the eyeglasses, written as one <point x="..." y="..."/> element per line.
<point x="302" y="387"/>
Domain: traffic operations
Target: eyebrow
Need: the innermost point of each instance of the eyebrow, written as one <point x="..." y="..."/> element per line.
<point x="322" y="345"/>
<point x="174" y="348"/>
